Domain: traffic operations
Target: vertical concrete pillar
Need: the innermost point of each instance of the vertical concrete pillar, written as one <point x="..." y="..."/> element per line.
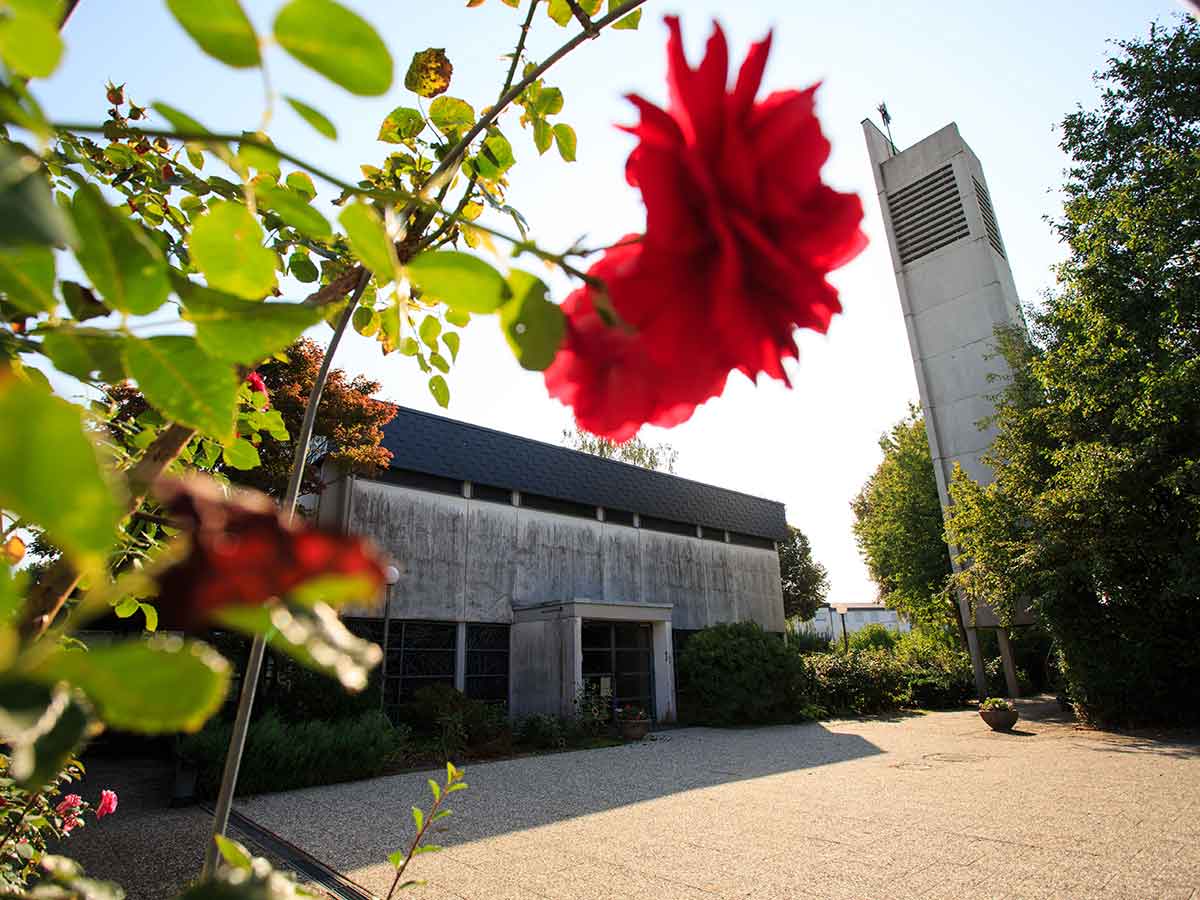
<point x="460" y="658"/>
<point x="664" y="672"/>
<point x="1010" y="664"/>
<point x="571" y="643"/>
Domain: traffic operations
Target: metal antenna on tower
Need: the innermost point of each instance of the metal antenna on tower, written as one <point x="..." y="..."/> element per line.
<point x="887" y="123"/>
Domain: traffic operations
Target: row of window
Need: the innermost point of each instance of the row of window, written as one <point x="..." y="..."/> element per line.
<point x="491" y="494"/>
<point x="419" y="654"/>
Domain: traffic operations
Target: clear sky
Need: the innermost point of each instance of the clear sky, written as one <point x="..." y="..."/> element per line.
<point x="1006" y="72"/>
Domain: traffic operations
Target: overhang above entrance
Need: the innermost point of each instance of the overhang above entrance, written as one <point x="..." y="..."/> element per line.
<point x="590" y="609"/>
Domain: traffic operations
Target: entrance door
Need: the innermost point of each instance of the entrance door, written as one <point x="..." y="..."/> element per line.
<point x="618" y="663"/>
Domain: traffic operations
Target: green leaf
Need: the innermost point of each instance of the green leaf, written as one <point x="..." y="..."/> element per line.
<point x="459" y="317"/>
<point x="451" y="339"/>
<point x="151" y="616"/>
<point x="155" y="686"/>
<point x="313" y="117"/>
<point x="366" y="321"/>
<point x="81" y="302"/>
<point x="435" y="789"/>
<point x="178" y="119"/>
<point x="369" y="240"/>
<point x="256" y="156"/>
<point x="30" y="44"/>
<point x="125" y="266"/>
<point x="429" y="330"/>
<point x="241" y="454"/>
<point x="532" y="324"/>
<point x="302" y="268"/>
<point x="459" y="280"/>
<point x="439" y="362"/>
<point x="43" y="725"/>
<point x="396" y="858"/>
<point x="629" y="22"/>
<point x="87" y="353"/>
<point x="440" y="391"/>
<point x="429" y="72"/>
<point x="241" y="331"/>
<point x="402" y="123"/>
<point x="547" y="102"/>
<point x="301" y="183"/>
<point x="418" y="817"/>
<point x="495" y="156"/>
<point x="233" y="853"/>
<point x="543" y="135"/>
<point x="49" y="473"/>
<point x="226" y="245"/>
<point x="184" y="383"/>
<point x="559" y="11"/>
<point x="221" y="28"/>
<point x="313" y="636"/>
<point x="293" y="208"/>
<point x="28" y="215"/>
<point x="451" y="116"/>
<point x="27" y="278"/>
<point x="339" y="44"/>
<point x="564" y="137"/>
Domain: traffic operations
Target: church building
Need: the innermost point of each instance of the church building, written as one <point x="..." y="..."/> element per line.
<point x="530" y="571"/>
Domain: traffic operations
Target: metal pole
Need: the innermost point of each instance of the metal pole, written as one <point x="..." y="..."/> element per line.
<point x="845" y="636"/>
<point x="241" y="722"/>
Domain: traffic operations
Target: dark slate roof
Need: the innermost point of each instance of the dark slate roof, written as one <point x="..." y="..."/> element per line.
<point x="435" y="445"/>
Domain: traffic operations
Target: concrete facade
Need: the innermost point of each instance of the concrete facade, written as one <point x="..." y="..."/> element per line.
<point x="956" y="288"/>
<point x="834" y="626"/>
<point x="470" y="560"/>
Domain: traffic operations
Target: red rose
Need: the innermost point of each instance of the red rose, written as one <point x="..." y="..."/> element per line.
<point x="740" y="234"/>
<point x="243" y="552"/>
<point x="604" y="370"/>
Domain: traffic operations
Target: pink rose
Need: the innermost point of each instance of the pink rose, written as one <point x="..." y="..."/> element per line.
<point x="68" y="805"/>
<point x="107" y="804"/>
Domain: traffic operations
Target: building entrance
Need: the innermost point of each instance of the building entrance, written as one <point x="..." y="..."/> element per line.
<point x="618" y="663"/>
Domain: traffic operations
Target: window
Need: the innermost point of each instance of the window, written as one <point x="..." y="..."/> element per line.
<point x="417" y="654"/>
<point x="422" y="481"/>
<point x="670" y="526"/>
<point x="618" y="663"/>
<point x="491" y="494"/>
<point x="487" y="663"/>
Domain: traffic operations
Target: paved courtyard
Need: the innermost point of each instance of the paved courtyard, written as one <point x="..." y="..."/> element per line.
<point x="930" y="806"/>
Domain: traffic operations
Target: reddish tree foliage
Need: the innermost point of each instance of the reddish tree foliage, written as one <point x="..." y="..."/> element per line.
<point x="349" y="426"/>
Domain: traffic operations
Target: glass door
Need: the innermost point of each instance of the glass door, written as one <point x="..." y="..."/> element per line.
<point x="618" y="663"/>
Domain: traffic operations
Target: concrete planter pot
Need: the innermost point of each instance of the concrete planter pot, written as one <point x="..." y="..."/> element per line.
<point x="999" y="719"/>
<point x="634" y="729"/>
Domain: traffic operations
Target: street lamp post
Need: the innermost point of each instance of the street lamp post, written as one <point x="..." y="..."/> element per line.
<point x="841" y="611"/>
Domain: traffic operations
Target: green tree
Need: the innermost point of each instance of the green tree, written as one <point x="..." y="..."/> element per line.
<point x="899" y="529"/>
<point x="1094" y="514"/>
<point x="661" y="457"/>
<point x="805" y="581"/>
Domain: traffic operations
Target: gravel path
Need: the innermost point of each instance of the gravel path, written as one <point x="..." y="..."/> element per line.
<point x="929" y="806"/>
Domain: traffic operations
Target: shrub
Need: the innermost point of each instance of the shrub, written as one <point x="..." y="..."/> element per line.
<point x="997" y="703"/>
<point x="939" y="670"/>
<point x="857" y="683"/>
<point x="739" y="674"/>
<point x="282" y="756"/>
<point x="541" y="732"/>
<point x="457" y="720"/>
<point x="874" y="637"/>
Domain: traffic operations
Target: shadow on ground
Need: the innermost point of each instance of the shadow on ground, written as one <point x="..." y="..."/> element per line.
<point x="516" y="795"/>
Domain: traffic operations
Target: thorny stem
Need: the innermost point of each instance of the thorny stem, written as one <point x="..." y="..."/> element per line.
<point x="17" y="822"/>
<point x="583" y="18"/>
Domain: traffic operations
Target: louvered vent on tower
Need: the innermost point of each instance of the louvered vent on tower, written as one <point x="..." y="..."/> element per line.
<point x="927" y="215"/>
<point x="989" y="217"/>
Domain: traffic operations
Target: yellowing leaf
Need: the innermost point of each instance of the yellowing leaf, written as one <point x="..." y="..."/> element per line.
<point x="429" y="73"/>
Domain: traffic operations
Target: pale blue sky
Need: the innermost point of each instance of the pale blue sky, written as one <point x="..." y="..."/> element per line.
<point x="1005" y="72"/>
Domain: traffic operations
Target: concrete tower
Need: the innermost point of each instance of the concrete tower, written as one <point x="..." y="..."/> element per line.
<point x="955" y="288"/>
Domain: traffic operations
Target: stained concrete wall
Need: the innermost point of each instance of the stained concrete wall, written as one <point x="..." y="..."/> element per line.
<point x="473" y="560"/>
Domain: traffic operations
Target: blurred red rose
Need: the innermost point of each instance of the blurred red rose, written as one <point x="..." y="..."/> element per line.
<point x="107" y="805"/>
<point x="243" y="553"/>
<point x="740" y="235"/>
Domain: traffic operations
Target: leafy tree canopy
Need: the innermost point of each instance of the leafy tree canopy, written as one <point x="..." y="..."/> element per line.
<point x="1095" y="511"/>
<point x="661" y="457"/>
<point x="899" y="530"/>
<point x="805" y="581"/>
